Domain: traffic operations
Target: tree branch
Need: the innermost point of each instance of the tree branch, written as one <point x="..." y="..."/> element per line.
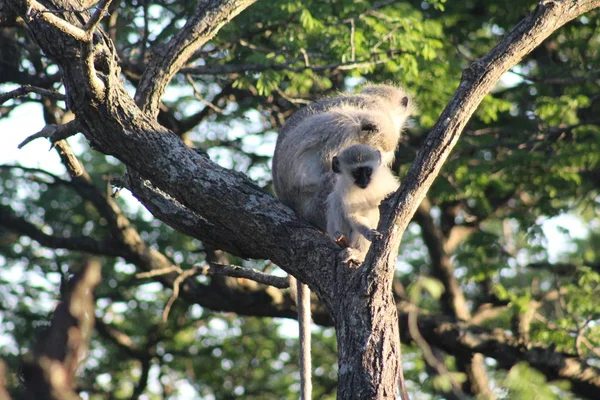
<point x="93" y="22"/>
<point x="3" y="392"/>
<point x="453" y="300"/>
<point x="208" y="19"/>
<point x="50" y="371"/>
<point x="251" y="223"/>
<point x="119" y="339"/>
<point x="26" y="89"/>
<point x="246" y="273"/>
<point x="232" y="69"/>
<point x="127" y="243"/>
<point x="54" y="133"/>
<point x="463" y="340"/>
<point x="12" y="222"/>
<point x="35" y="11"/>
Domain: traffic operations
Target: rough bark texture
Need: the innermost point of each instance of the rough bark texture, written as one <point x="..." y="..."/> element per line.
<point x="226" y="210"/>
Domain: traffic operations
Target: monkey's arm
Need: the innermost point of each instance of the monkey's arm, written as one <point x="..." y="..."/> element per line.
<point x="360" y="224"/>
<point x="335" y="219"/>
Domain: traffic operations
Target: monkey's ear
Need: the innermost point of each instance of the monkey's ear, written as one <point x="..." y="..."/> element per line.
<point x="335" y="165"/>
<point x="369" y="127"/>
<point x="404" y="101"/>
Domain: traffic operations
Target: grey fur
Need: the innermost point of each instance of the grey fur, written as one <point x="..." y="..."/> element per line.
<point x="302" y="175"/>
<point x="352" y="211"/>
<point x="359" y="154"/>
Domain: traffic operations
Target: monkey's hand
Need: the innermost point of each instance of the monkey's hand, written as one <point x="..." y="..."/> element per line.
<point x="369" y="234"/>
<point x="373" y="234"/>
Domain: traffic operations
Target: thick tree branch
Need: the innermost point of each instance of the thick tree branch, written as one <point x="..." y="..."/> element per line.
<point x="50" y="370"/>
<point x="464" y="340"/>
<point x="36" y="10"/>
<point x="209" y="18"/>
<point x="453" y="300"/>
<point x="247" y="300"/>
<point x="125" y="242"/>
<point x="242" y="218"/>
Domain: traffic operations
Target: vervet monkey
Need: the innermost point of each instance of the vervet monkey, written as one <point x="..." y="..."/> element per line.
<point x="302" y="175"/>
<point x="362" y="182"/>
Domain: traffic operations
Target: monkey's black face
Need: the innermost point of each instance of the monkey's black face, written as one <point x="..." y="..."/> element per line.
<point x="362" y="176"/>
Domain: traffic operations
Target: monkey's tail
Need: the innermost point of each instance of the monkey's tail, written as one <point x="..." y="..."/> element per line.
<point x="305" y="340"/>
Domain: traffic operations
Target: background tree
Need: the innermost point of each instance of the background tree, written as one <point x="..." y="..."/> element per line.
<point x="514" y="317"/>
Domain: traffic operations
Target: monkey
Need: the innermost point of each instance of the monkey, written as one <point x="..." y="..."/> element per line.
<point x="302" y="175"/>
<point x="362" y="182"/>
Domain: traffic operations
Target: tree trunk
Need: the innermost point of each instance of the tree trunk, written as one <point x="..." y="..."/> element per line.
<point x="368" y="345"/>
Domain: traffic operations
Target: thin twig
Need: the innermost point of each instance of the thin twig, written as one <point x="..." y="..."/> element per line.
<point x="93" y="22"/>
<point x="233" y="69"/>
<point x="144" y="41"/>
<point x="352" y="46"/>
<point x="306" y="59"/>
<point x="54" y="133"/>
<point x="159" y="272"/>
<point x="199" y="97"/>
<point x="29" y="170"/>
<point x="246" y="273"/>
<point x="386" y="37"/>
<point x="176" y="284"/>
<point x="26" y="89"/>
<point x="290" y="99"/>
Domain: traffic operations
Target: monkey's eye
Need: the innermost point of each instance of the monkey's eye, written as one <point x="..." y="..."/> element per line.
<point x="368" y="172"/>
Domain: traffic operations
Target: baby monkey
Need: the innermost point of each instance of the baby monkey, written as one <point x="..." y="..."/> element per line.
<point x="362" y="182"/>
